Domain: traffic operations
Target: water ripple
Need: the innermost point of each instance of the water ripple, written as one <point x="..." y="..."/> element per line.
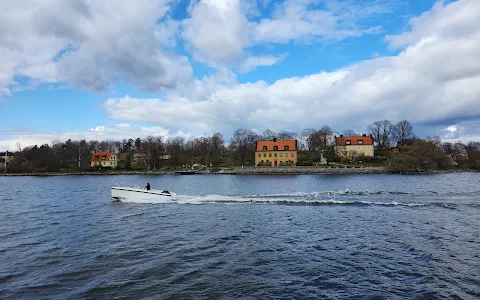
<point x="300" y="237"/>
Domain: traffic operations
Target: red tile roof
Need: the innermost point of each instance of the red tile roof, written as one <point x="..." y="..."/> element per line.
<point x="292" y="145"/>
<point x="98" y="156"/>
<point x="342" y="140"/>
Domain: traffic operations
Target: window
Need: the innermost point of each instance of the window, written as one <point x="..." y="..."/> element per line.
<point x="286" y="148"/>
<point x="275" y="148"/>
<point x="275" y="154"/>
<point x="259" y="155"/>
<point x="269" y="154"/>
<point x="348" y="142"/>
<point x="281" y="154"/>
<point x="360" y="142"/>
<point x="292" y="155"/>
<point x="264" y="148"/>
<point x="264" y="155"/>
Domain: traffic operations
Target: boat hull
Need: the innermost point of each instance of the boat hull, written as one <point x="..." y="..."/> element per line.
<point x="127" y="194"/>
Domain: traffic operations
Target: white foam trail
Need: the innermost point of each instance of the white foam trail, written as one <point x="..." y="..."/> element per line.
<point x="345" y="192"/>
<point x="221" y="199"/>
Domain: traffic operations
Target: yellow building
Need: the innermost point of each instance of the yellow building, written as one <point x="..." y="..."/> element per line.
<point x="276" y="153"/>
<point x="5" y="159"/>
<point x="104" y="159"/>
<point x="354" y="146"/>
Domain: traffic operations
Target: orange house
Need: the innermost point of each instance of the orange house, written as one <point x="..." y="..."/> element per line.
<point x="104" y="160"/>
<point x="276" y="153"/>
<point x="349" y="146"/>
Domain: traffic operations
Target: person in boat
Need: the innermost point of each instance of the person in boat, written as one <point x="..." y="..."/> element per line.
<point x="148" y="186"/>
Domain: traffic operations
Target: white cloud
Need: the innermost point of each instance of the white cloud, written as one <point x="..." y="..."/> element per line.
<point x="253" y="62"/>
<point x="89" y="44"/>
<point x="93" y="45"/>
<point x="434" y="80"/>
<point x="216" y="31"/>
<point x="449" y="20"/>
<point x="431" y="81"/>
<point x="304" y="21"/>
<point x="464" y="132"/>
<point x="452" y="128"/>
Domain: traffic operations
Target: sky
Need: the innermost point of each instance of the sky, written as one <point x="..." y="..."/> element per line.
<point x="99" y="69"/>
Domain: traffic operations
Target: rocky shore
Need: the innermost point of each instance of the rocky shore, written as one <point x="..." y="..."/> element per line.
<point x="243" y="171"/>
<point x="304" y="170"/>
<point x="233" y="171"/>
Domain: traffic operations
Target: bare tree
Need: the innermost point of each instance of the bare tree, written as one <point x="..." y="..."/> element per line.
<point x="402" y="132"/>
<point x="380" y="131"/>
<point x="138" y="143"/>
<point x="243" y="143"/>
<point x="217" y="145"/>
<point x="306" y="137"/>
<point x="349" y="132"/>
<point x="175" y="147"/>
<point x="326" y="134"/>
<point x="268" y="135"/>
<point x="319" y="139"/>
<point x="286" y="135"/>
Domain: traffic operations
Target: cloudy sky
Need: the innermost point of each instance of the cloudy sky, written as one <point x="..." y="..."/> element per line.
<point x="100" y="69"/>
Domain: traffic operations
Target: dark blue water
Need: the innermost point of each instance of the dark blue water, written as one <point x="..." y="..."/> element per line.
<point x="242" y="237"/>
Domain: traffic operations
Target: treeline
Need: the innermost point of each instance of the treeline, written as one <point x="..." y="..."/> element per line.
<point x="415" y="153"/>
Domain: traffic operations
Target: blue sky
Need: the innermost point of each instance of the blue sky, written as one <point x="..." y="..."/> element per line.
<point x="119" y="69"/>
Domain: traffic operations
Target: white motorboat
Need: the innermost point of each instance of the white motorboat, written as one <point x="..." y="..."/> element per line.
<point x="141" y="194"/>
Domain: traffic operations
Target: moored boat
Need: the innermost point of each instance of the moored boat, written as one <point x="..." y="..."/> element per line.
<point x="140" y="194"/>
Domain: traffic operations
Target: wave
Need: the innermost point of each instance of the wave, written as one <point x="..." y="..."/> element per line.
<point x="222" y="199"/>
<point x="345" y="192"/>
<point x="300" y="198"/>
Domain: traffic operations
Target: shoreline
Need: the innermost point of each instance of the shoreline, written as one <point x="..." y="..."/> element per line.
<point x="246" y="171"/>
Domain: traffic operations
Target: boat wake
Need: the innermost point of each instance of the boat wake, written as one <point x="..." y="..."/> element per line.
<point x="312" y="198"/>
<point x="345" y="192"/>
<point x="219" y="199"/>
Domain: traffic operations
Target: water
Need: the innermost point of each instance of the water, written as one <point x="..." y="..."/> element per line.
<point x="242" y="237"/>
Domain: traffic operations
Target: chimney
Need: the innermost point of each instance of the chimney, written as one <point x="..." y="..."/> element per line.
<point x="274" y="139"/>
<point x="364" y="134"/>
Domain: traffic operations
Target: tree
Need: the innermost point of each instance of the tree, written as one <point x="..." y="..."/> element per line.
<point x="306" y="137"/>
<point x="286" y="135"/>
<point x="402" y="132"/>
<point x="473" y="154"/>
<point x="217" y="145"/>
<point x="319" y="139"/>
<point x="174" y="147"/>
<point x="268" y="135"/>
<point x="138" y="143"/>
<point x="349" y="132"/>
<point x="326" y="134"/>
<point x="330" y="154"/>
<point x="459" y="150"/>
<point x="243" y="143"/>
<point x="380" y="132"/>
<point x="420" y="155"/>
